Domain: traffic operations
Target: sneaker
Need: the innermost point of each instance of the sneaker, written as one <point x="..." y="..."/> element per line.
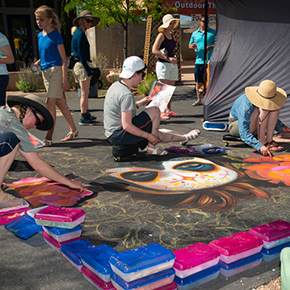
<point x="85" y="122"/>
<point x="92" y="117"/>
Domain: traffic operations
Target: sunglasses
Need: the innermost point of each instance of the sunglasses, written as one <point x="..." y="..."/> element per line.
<point x="141" y="72"/>
<point x="88" y="20"/>
<point x="38" y="121"/>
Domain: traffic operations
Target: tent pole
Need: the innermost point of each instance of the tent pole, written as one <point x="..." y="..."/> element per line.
<point x="205" y="44"/>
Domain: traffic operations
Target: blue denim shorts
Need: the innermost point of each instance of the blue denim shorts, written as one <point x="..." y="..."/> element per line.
<point x="199" y="73"/>
<point x="8" y="141"/>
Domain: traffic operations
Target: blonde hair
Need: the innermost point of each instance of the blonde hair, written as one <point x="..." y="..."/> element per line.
<point x="73" y="30"/>
<point x="49" y="14"/>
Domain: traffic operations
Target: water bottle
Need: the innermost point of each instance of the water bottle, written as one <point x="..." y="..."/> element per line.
<point x="35" y="69"/>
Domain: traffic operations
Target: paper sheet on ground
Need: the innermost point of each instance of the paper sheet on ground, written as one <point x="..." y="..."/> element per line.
<point x="160" y="95"/>
<point x="37" y="143"/>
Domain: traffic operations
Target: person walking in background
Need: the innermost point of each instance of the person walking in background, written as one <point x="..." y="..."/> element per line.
<point x="82" y="71"/>
<point x="6" y="57"/>
<point x="166" y="65"/>
<point x="53" y="61"/>
<point x="197" y="43"/>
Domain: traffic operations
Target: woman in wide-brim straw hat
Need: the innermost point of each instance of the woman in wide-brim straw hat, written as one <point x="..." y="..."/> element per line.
<point x="23" y="113"/>
<point x="255" y="116"/>
<point x="166" y="65"/>
<point x="82" y="71"/>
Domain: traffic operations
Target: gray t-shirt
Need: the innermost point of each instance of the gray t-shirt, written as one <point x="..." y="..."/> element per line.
<point x="119" y="98"/>
<point x="9" y="123"/>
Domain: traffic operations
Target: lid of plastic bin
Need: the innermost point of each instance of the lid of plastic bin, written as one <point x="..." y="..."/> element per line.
<point x="97" y="280"/>
<point x="194" y="255"/>
<point x="138" y="283"/>
<point x="72" y="250"/>
<point x="171" y="286"/>
<point x="59" y="214"/>
<point x="62" y="231"/>
<point x="236" y="243"/>
<point x="272" y="231"/>
<point x="98" y="258"/>
<point x="241" y="262"/>
<point x="56" y="243"/>
<point x="197" y="276"/>
<point x="23" y="227"/>
<point x="15" y="204"/>
<point x="141" y="258"/>
<point x="275" y="250"/>
<point x="11" y="215"/>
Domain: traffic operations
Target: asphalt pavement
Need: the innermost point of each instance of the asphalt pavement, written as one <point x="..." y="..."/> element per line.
<point x="124" y="220"/>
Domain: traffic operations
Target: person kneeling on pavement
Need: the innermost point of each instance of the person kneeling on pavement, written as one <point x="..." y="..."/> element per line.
<point x="256" y="114"/>
<point x="28" y="112"/>
<point x="123" y="126"/>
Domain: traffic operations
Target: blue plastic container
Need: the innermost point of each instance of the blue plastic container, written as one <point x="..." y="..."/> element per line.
<point x="62" y="235"/>
<point x="141" y="262"/>
<point x="23" y="227"/>
<point x="273" y="253"/>
<point x="197" y="279"/>
<point x="72" y="251"/>
<point x="153" y="281"/>
<point x="97" y="261"/>
<point x="241" y="265"/>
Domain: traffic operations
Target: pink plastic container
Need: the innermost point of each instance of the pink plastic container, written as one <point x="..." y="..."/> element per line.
<point x="237" y="246"/>
<point x="61" y="217"/>
<point x="272" y="234"/>
<point x="11" y="215"/>
<point x="54" y="243"/>
<point x="95" y="280"/>
<point x="194" y="258"/>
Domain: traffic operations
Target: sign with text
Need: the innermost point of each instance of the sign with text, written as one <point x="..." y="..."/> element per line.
<point x="189" y="7"/>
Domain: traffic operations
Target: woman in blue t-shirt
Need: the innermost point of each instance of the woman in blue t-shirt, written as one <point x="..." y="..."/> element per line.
<point x="53" y="62"/>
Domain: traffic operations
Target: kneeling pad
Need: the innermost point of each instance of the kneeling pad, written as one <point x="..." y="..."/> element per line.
<point x="125" y="150"/>
<point x="232" y="138"/>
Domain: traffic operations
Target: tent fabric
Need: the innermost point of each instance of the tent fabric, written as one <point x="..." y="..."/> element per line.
<point x="252" y="44"/>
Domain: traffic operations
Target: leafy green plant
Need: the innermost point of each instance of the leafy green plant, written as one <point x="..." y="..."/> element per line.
<point x="30" y="82"/>
<point x="145" y="86"/>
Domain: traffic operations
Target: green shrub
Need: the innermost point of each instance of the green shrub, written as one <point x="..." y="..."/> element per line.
<point x="145" y="86"/>
<point x="30" y="82"/>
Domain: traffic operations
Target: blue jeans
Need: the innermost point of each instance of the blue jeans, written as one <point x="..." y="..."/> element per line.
<point x="4" y="80"/>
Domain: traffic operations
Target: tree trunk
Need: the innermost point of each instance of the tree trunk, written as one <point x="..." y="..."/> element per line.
<point x="126" y="41"/>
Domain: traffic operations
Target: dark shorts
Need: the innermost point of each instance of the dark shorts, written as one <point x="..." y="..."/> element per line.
<point x="199" y="73"/>
<point x="8" y="141"/>
<point x="4" y="80"/>
<point x="122" y="137"/>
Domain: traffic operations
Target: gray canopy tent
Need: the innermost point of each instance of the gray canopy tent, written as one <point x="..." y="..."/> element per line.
<point x="252" y="44"/>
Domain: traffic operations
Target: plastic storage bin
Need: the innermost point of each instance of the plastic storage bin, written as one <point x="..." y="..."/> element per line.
<point x="61" y="217"/>
<point x="97" y="261"/>
<point x="141" y="262"/>
<point x="194" y="258"/>
<point x="62" y="235"/>
<point x="15" y="204"/>
<point x="239" y="266"/>
<point x="197" y="279"/>
<point x="272" y="234"/>
<point x="33" y="211"/>
<point x="11" y="215"/>
<point x="237" y="246"/>
<point x="171" y="286"/>
<point x="23" y="227"/>
<point x="273" y="253"/>
<point x="95" y="280"/>
<point x="149" y="282"/>
<point x="72" y="251"/>
<point x="54" y="243"/>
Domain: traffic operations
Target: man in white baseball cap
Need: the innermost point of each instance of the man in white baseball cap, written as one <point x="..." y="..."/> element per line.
<point x="123" y="126"/>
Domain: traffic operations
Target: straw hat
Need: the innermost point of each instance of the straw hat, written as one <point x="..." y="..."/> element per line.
<point x="166" y="22"/>
<point x="267" y="96"/>
<point x="37" y="103"/>
<point x="86" y="13"/>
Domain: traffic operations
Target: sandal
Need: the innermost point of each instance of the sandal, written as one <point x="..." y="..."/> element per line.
<point x="196" y="103"/>
<point x="273" y="146"/>
<point x="172" y="114"/>
<point x="189" y="136"/>
<point x="70" y="136"/>
<point x="47" y="143"/>
<point x="164" y="116"/>
<point x="154" y="151"/>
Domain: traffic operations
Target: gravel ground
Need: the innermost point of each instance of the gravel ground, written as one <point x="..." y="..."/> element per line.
<point x="273" y="285"/>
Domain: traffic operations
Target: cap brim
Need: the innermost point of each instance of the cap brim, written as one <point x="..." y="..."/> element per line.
<point x="47" y="122"/>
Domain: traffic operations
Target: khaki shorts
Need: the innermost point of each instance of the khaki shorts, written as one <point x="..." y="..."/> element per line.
<point x="79" y="72"/>
<point x="52" y="78"/>
<point x="233" y="127"/>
